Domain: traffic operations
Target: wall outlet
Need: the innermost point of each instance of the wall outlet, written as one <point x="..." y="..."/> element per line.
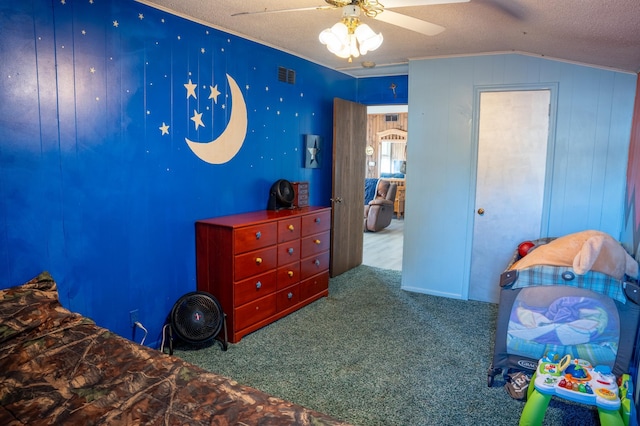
<point x="133" y="317"/>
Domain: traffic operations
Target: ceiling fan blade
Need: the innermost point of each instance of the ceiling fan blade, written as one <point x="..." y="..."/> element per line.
<point x="410" y="23"/>
<point x="301" y="9"/>
<point x="390" y="4"/>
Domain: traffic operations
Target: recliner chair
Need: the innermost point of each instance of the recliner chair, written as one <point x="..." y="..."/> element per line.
<point x="379" y="211"/>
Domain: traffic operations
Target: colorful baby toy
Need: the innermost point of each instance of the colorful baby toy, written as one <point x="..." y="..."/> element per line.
<point x="576" y="380"/>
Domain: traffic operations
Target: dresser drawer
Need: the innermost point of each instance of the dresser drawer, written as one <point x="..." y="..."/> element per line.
<point x="288" y="229"/>
<point x="303" y="190"/>
<point x="255" y="262"/>
<point x="314" y="285"/>
<point x="287" y="298"/>
<point x="316" y="222"/>
<point x="315" y="244"/>
<point x="314" y="265"/>
<point x="255" y="311"/>
<point x="288" y="275"/>
<point x="254" y="288"/>
<point x="254" y="237"/>
<point x="288" y="252"/>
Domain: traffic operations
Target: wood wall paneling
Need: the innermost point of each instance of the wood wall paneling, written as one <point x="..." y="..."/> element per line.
<point x="377" y="123"/>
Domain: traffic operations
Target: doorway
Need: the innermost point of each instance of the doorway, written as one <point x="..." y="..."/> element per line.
<point x="383" y="249"/>
<point x="513" y="139"/>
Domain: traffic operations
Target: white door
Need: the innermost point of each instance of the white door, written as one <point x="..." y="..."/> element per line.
<point x="512" y="153"/>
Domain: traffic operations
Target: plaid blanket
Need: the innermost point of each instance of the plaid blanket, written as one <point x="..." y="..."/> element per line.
<point x="544" y="275"/>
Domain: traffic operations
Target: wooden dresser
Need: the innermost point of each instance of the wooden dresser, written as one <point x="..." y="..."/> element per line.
<point x="263" y="265"/>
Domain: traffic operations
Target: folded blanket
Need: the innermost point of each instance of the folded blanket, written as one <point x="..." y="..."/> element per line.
<point x="583" y="251"/>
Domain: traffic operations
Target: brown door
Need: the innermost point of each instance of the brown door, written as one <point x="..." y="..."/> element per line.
<point x="349" y="141"/>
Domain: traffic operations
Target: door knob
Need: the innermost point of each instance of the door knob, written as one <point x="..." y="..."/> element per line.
<point x="336" y="200"/>
<point x="481" y="211"/>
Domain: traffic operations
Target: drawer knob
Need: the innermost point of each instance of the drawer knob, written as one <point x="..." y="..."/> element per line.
<point x="290" y="273"/>
<point x="258" y="235"/>
<point x="317" y="220"/>
<point x="290" y="251"/>
<point x="258" y="284"/>
<point x="316" y="262"/>
<point x="316" y="241"/>
<point x="258" y="260"/>
<point x="291" y="228"/>
<point x="290" y="295"/>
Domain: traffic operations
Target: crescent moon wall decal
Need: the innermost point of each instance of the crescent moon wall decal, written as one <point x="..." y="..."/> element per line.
<point x="227" y="145"/>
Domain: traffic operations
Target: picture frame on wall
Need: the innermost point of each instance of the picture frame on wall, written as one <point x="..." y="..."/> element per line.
<point x="312" y="150"/>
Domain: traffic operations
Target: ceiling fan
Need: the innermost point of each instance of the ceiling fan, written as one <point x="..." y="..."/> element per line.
<point x="377" y="10"/>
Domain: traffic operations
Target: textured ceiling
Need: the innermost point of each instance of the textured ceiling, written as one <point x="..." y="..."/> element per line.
<point x="603" y="33"/>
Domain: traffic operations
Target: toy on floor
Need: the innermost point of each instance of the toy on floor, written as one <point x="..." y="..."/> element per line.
<point x="577" y="380"/>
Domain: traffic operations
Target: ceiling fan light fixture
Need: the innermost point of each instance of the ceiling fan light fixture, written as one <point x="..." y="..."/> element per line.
<point x="334" y="37"/>
<point x="353" y="46"/>
<point x="349" y="38"/>
<point x="367" y="39"/>
<point x="342" y="52"/>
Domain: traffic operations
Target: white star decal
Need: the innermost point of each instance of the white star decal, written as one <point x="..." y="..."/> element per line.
<point x="313" y="151"/>
<point x="191" y="89"/>
<point x="214" y="93"/>
<point x="197" y="119"/>
<point x="164" y="129"/>
<point x="116" y="24"/>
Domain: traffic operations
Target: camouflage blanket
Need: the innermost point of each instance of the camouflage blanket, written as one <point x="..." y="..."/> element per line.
<point x="58" y="367"/>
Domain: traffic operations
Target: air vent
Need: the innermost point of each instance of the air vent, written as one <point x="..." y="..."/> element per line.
<point x="286" y="75"/>
<point x="391" y="117"/>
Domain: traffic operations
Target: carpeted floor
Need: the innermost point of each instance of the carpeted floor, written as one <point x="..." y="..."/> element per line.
<point x="373" y="354"/>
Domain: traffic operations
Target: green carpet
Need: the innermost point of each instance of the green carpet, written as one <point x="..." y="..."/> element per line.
<point x="373" y="354"/>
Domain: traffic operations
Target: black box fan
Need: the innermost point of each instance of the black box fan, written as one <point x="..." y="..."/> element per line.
<point x="196" y="318"/>
<point x="281" y="195"/>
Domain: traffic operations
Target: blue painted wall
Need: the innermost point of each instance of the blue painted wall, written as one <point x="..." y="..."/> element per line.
<point x="386" y="90"/>
<point x="588" y="171"/>
<point x="91" y="188"/>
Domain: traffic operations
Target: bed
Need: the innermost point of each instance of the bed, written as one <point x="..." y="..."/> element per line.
<point x="58" y="367"/>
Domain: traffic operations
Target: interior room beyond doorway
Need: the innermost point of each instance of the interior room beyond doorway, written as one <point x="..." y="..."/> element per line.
<point x="386" y="159"/>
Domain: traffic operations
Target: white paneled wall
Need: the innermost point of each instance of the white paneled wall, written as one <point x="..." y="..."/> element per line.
<point x="588" y="170"/>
